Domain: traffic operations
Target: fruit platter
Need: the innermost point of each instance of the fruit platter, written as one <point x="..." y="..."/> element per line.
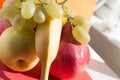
<point x="43" y="40"/>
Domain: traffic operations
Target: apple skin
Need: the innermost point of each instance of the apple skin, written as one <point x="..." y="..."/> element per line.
<point x="72" y="57"/>
<point x="17" y="49"/>
<point x="67" y="33"/>
<point x="71" y="60"/>
<point x="3" y="24"/>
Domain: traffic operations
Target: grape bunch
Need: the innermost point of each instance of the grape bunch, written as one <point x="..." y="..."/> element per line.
<point x="26" y="14"/>
<point x="81" y="29"/>
<point x="80" y="24"/>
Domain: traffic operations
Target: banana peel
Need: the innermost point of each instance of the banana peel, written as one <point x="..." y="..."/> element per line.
<point x="47" y="41"/>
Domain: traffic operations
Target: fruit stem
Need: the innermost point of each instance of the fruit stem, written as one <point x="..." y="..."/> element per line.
<point x="61" y="3"/>
<point x="45" y="71"/>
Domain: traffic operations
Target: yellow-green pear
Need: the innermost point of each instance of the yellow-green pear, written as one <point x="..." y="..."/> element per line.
<point x="17" y="49"/>
<point x="47" y="41"/>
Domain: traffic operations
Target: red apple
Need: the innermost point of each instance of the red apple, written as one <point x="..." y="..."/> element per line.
<point x="3" y="24"/>
<point x="67" y="33"/>
<point x="72" y="57"/>
<point x="71" y="60"/>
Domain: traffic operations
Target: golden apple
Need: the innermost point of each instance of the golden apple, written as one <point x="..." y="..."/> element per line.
<point x="17" y="49"/>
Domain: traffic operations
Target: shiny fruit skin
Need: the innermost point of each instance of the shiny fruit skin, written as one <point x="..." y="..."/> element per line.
<point x="80" y="35"/>
<point x="71" y="60"/>
<point x="53" y="10"/>
<point x="67" y="33"/>
<point x="18" y="50"/>
<point x="47" y="41"/>
<point x="28" y="9"/>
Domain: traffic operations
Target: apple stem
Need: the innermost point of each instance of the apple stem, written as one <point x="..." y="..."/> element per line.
<point x="45" y="71"/>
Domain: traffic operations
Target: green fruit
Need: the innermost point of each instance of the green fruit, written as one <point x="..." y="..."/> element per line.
<point x="17" y="50"/>
<point x="80" y="34"/>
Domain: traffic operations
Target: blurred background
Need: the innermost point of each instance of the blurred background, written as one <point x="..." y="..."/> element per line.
<point x="105" y="32"/>
<point x="107" y="18"/>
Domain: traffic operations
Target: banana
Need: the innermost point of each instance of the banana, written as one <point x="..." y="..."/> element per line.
<point x="47" y="41"/>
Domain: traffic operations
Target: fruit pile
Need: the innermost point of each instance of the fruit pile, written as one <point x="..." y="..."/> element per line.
<point x="43" y="31"/>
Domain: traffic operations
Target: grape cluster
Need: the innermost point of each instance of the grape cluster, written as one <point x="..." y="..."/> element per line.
<point x="81" y="29"/>
<point x="26" y="14"/>
<point x="80" y="23"/>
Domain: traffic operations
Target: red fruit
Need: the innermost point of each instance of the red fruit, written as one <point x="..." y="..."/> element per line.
<point x="3" y="24"/>
<point x="70" y="61"/>
<point x="67" y="33"/>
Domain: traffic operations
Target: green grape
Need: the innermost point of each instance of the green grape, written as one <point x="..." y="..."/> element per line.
<point x="81" y="21"/>
<point x="30" y="24"/>
<point x="68" y="11"/>
<point x="80" y="34"/>
<point x="12" y="3"/>
<point x="39" y="16"/>
<point x="8" y="12"/>
<point x="53" y="10"/>
<point x="18" y="22"/>
<point x="28" y="9"/>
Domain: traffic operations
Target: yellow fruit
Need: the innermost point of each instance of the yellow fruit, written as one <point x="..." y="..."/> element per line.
<point x="47" y="41"/>
<point x="17" y="50"/>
